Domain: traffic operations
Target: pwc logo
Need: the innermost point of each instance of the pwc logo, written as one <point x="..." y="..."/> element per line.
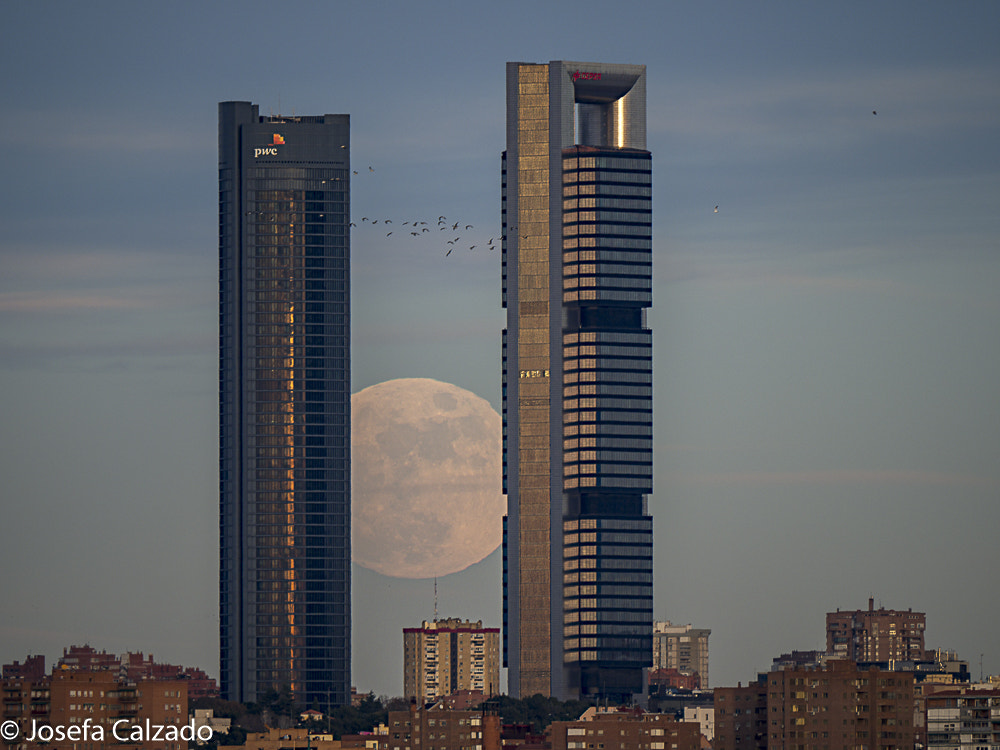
<point x="272" y="150"/>
<point x="585" y="76"/>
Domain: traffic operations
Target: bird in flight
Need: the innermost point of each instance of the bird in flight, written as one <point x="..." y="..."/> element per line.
<point x="874" y="112"/>
<point x="716" y="209"/>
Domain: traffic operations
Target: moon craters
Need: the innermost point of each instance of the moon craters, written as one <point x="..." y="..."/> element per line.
<point x="426" y="478"/>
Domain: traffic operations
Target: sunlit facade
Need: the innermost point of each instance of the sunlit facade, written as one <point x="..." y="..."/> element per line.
<point x="442" y="657"/>
<point x="284" y="405"/>
<point x="577" y="380"/>
<point x="681" y="647"/>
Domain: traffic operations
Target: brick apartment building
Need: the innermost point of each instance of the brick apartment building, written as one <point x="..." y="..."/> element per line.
<point x="137" y="666"/>
<point x="296" y="737"/>
<point x="440" y="728"/>
<point x="129" y="666"/>
<point x="876" y="635"/>
<point x="91" y="688"/>
<point x="811" y="708"/>
<point x="624" y="730"/>
<point x="99" y="698"/>
<point x="32" y="670"/>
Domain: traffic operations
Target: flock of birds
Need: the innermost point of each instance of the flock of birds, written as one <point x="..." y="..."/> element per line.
<point x="419" y="228"/>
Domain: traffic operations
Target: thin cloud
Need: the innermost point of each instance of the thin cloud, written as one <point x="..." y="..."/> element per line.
<point x="775" y="113"/>
<point x="733" y="273"/>
<point x="740" y="263"/>
<point x="58" y="281"/>
<point x="59" y="302"/>
<point x="91" y="357"/>
<point x="89" y="131"/>
<point x="841" y="476"/>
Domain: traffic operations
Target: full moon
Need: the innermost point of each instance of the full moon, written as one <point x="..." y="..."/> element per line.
<point x="426" y="478"/>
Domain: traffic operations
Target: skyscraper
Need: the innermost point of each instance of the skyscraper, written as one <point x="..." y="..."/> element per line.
<point x="284" y="405"/>
<point x="577" y="380"/>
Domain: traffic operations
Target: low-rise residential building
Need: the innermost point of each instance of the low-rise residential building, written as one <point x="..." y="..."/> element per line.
<point x="289" y="739"/>
<point x="25" y="701"/>
<point x="437" y="727"/>
<point x="624" y="729"/>
<point x="676" y="701"/>
<point x="33" y="669"/>
<point x="95" y="710"/>
<point x="205" y="717"/>
<point x="131" y="666"/>
<point x="741" y="716"/>
<point x="661" y="680"/>
<point x="704" y="717"/>
<point x="963" y="718"/>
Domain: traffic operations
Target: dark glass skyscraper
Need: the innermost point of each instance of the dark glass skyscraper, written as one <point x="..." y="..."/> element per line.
<point x="577" y="380"/>
<point x="284" y="405"/>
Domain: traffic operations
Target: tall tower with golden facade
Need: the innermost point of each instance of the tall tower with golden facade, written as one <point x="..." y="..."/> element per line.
<point x="577" y="380"/>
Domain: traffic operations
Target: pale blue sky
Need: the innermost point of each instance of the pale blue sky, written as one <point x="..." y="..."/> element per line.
<point x="827" y="372"/>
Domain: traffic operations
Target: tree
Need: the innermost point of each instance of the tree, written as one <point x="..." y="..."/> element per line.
<point x="537" y="710"/>
<point x="369" y="713"/>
